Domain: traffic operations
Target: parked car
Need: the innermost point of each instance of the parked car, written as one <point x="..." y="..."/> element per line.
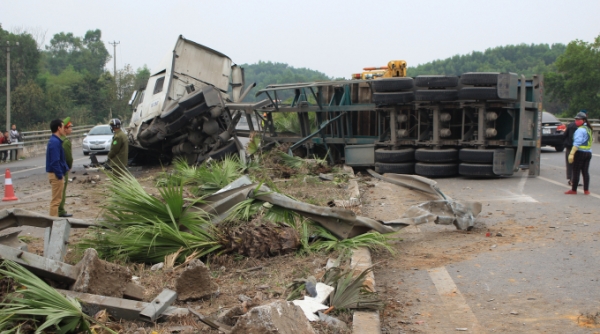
<point x="98" y="140"/>
<point x="552" y="131"/>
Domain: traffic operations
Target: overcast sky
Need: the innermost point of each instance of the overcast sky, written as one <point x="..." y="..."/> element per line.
<point x="335" y="37"/>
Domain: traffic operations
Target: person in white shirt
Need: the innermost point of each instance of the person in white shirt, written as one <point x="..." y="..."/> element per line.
<point x="15" y="137"/>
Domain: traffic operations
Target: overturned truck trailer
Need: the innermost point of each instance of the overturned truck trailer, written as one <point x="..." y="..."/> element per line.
<point x="189" y="106"/>
<point x="477" y="124"/>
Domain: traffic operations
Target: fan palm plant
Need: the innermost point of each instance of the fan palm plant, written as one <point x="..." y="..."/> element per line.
<point x="144" y="228"/>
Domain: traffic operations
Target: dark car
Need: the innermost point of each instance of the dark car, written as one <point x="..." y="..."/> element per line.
<point x="552" y="131"/>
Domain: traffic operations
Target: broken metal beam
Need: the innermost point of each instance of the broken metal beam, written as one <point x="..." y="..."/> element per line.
<point x="19" y="217"/>
<point x="59" y="239"/>
<point x="155" y="308"/>
<point x="40" y="265"/>
<point x="119" y="308"/>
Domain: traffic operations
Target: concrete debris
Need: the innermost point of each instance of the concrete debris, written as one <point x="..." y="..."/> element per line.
<point x="99" y="277"/>
<point x="332" y="263"/>
<point x="157" y="266"/>
<point x="244" y="298"/>
<point x="230" y="316"/>
<point x="195" y="282"/>
<point x="326" y="177"/>
<point x="278" y="317"/>
<point x="333" y="322"/>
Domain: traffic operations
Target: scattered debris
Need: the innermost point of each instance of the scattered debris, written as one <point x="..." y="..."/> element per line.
<point x="333" y="322"/>
<point x="157" y="266"/>
<point x="277" y="317"/>
<point x="195" y="282"/>
<point x="100" y="277"/>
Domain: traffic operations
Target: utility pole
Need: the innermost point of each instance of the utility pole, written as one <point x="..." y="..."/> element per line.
<point x="8" y="84"/>
<point x="114" y="44"/>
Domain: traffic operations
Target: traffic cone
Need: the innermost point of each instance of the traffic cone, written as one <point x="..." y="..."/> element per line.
<point x="9" y="192"/>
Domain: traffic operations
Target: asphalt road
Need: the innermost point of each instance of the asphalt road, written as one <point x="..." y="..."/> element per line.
<point x="36" y="166"/>
<point x="543" y="282"/>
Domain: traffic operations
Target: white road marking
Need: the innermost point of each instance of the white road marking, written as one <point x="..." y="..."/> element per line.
<point x="580" y="191"/>
<point x="34" y="168"/>
<point x="455" y="303"/>
<point x="521" y="185"/>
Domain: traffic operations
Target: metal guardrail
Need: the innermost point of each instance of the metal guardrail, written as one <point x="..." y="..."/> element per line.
<point x="38" y="137"/>
<point x="569" y="120"/>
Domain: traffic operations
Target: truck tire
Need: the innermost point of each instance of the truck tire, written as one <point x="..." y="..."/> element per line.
<point x="229" y="149"/>
<point x="479" y="78"/>
<point x="435" y="170"/>
<point x="436" y="95"/>
<point x="478" y="93"/>
<point x="192" y="99"/>
<point x="473" y="155"/>
<point x="433" y="81"/>
<point x="476" y="170"/>
<point x="400" y="155"/>
<point x="431" y="155"/>
<point x="393" y="98"/>
<point x="396" y="168"/>
<point x="392" y="85"/>
<point x="559" y="148"/>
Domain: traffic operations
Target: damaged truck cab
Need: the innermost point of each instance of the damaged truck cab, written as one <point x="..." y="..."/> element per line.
<point x="183" y="109"/>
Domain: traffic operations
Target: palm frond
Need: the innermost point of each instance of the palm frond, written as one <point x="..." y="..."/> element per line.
<point x="373" y="240"/>
<point x="350" y="293"/>
<point x="291" y="161"/>
<point x="253" y="144"/>
<point x="145" y="228"/>
<point x="37" y="300"/>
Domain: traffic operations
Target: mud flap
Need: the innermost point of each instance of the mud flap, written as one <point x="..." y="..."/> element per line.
<point x="504" y="160"/>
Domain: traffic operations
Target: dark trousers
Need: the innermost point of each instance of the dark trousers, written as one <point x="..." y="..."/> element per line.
<point x="569" y="166"/>
<point x="3" y="155"/>
<point x="581" y="165"/>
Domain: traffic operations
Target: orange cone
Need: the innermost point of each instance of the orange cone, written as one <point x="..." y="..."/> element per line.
<point x="9" y="192"/>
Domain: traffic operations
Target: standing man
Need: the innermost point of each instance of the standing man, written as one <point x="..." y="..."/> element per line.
<point x="15" y="137"/>
<point x="119" y="148"/>
<point x="66" y="144"/>
<point x="56" y="165"/>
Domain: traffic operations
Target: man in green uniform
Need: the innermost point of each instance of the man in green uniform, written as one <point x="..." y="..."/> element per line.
<point x="119" y="148"/>
<point x="66" y="144"/>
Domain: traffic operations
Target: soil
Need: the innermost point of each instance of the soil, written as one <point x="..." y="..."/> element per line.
<point x="262" y="280"/>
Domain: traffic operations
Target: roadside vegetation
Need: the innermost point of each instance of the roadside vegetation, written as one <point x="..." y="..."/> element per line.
<point x="145" y="228"/>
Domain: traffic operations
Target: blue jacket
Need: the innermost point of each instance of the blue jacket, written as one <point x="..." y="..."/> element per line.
<point x="55" y="157"/>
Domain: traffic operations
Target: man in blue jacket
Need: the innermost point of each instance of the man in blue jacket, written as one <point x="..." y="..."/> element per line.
<point x="56" y="165"/>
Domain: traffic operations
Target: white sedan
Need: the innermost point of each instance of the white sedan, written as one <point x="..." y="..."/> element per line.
<point x="98" y="140"/>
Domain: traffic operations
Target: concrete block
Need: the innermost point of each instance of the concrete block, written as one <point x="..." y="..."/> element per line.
<point x="100" y="277"/>
<point x="195" y="282"/>
<point x="133" y="291"/>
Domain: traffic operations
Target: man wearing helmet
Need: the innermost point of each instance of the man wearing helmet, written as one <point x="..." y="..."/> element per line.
<point x="119" y="148"/>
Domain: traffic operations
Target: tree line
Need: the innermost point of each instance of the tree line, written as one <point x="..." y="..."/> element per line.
<point x="64" y="78"/>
